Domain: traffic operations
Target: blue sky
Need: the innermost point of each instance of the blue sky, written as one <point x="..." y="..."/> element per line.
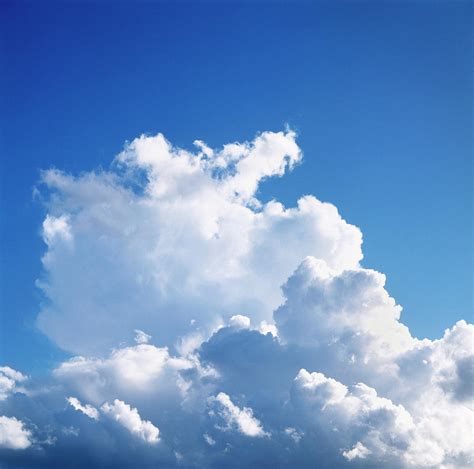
<point x="184" y="192"/>
<point x="376" y="91"/>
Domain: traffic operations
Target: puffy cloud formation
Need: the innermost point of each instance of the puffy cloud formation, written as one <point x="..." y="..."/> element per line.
<point x="87" y="409"/>
<point x="242" y="419"/>
<point x="9" y="381"/>
<point x="135" y="370"/>
<point x="210" y="329"/>
<point x="13" y="434"/>
<point x="387" y="431"/>
<point x="131" y="420"/>
<point x="168" y="236"/>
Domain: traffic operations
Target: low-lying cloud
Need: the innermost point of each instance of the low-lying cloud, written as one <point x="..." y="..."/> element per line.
<point x="210" y="329"/>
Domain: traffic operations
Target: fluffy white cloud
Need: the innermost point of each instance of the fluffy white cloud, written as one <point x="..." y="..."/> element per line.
<point x="239" y="321"/>
<point x="377" y="429"/>
<point x="323" y="305"/>
<point x="236" y="418"/>
<point x="9" y="380"/>
<point x="87" y="409"/>
<point x="168" y="236"/>
<point x="129" y="371"/>
<point x="358" y="451"/>
<point x="383" y="427"/>
<point x="129" y="418"/>
<point x="56" y="229"/>
<point x="177" y="244"/>
<point x="13" y="434"/>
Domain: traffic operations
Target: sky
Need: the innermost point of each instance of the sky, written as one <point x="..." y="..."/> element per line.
<point x="364" y="105"/>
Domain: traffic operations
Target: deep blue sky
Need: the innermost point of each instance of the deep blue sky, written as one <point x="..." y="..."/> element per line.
<point x="380" y="93"/>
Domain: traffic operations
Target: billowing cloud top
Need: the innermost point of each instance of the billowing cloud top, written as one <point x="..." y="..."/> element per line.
<point x="170" y="236"/>
<point x="211" y="329"/>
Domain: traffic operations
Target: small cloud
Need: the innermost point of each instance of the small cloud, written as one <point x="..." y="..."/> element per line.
<point x="240" y="322"/>
<point x="9" y="379"/>
<point x="141" y="337"/>
<point x="241" y="419"/>
<point x="87" y="409"/>
<point x="129" y="418"/>
<point x="294" y="434"/>
<point x="358" y="451"/>
<point x="209" y="440"/>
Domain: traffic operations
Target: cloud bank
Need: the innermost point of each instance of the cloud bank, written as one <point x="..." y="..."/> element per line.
<point x="210" y="329"/>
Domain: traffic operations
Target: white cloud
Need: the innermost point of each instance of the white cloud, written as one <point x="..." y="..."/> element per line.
<point x="177" y="244"/>
<point x="13" y="434"/>
<point x="136" y="370"/>
<point x="208" y="439"/>
<point x="294" y="434"/>
<point x="239" y="321"/>
<point x="167" y="236"/>
<point x="358" y="451"/>
<point x="87" y="409"/>
<point x="234" y="417"/>
<point x="141" y="337"/>
<point x="267" y="328"/>
<point x="382" y="430"/>
<point x="129" y="418"/>
<point x="324" y="305"/>
<point x="56" y="229"/>
<point x="9" y="379"/>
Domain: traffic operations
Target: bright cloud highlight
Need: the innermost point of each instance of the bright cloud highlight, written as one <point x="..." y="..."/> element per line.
<point x="247" y="331"/>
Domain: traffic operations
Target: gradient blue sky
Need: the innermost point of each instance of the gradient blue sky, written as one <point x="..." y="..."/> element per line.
<point x="378" y="92"/>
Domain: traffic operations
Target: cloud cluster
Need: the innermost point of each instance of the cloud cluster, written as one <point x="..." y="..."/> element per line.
<point x="169" y="237"/>
<point x="210" y="329"/>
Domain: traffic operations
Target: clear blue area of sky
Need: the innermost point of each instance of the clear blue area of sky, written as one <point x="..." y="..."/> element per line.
<point x="379" y="92"/>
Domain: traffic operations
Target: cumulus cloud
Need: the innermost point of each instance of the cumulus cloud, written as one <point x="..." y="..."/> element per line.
<point x="167" y="235"/>
<point x="9" y="381"/>
<point x="240" y="321"/>
<point x="129" y="418"/>
<point x="382" y="430"/>
<point x="267" y="343"/>
<point x="137" y="370"/>
<point x="358" y="451"/>
<point x="234" y="417"/>
<point x="322" y="305"/>
<point x="87" y="409"/>
<point x="56" y="229"/>
<point x="13" y="434"/>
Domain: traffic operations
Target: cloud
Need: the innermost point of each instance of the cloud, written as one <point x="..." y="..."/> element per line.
<point x="87" y="409"/>
<point x="13" y="434"/>
<point x="267" y="343"/>
<point x="137" y="370"/>
<point x="358" y="451"/>
<point x="56" y="229"/>
<point x="234" y="417"/>
<point x="239" y="321"/>
<point x="129" y="418"/>
<point x="322" y="305"/>
<point x="167" y="236"/>
<point x="374" y="427"/>
<point x="9" y="379"/>
<point x="141" y="337"/>
<point x="209" y="440"/>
